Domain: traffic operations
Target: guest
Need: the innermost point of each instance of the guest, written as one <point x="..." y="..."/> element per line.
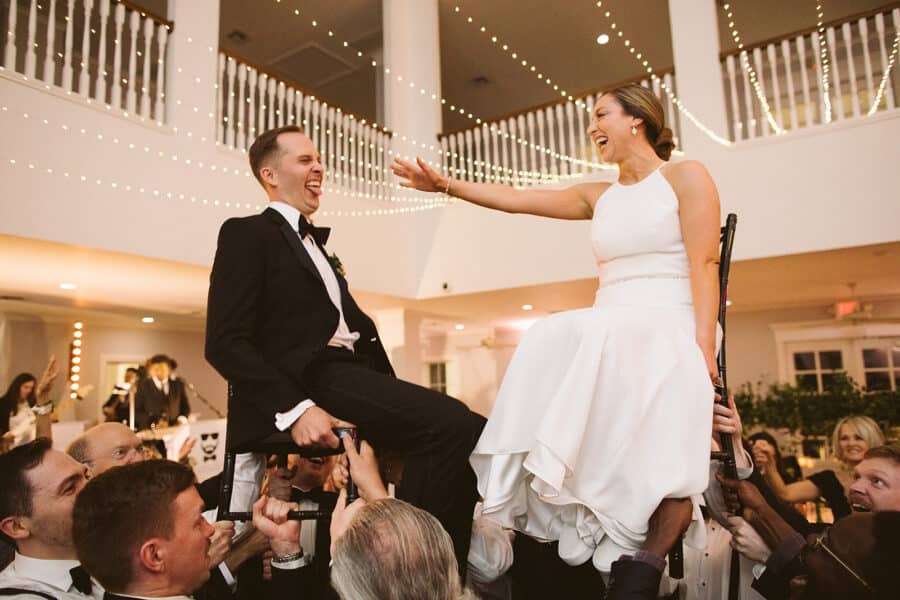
<point x="139" y="529"/>
<point x="116" y="408"/>
<point x="39" y="487"/>
<point x="876" y="485"/>
<point x="852" y="437"/>
<point x="25" y="408"/>
<point x="160" y="398"/>
<point x="105" y="446"/>
<point x="855" y="558"/>
<point x="788" y="466"/>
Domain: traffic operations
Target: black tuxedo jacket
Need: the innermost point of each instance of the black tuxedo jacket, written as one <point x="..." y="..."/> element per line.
<point x="268" y="317"/>
<point x="150" y="404"/>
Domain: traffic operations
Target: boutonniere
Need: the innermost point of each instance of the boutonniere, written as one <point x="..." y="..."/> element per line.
<point x="337" y="264"/>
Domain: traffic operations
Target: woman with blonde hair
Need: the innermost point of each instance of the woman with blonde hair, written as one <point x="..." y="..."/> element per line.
<point x="853" y="436"/>
<point x="602" y="411"/>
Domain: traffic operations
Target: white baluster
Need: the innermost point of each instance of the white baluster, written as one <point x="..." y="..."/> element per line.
<point x="229" y="102"/>
<point x="504" y="153"/>
<point x="298" y="108"/>
<point x="119" y="17"/>
<point x="332" y="142"/>
<point x="220" y="99"/>
<point x="314" y="126"/>
<point x="532" y="152"/>
<point x="337" y="168"/>
<point x="9" y="52"/>
<point x="522" y="146"/>
<point x="880" y="29"/>
<point x="131" y="92"/>
<point x="271" y="102"/>
<point x="453" y="168"/>
<point x="241" y="107"/>
<point x="851" y="69"/>
<point x="83" y="75"/>
<point x="564" y="165"/>
<point x="867" y="60"/>
<point x="551" y="142"/>
<point x="30" y="55"/>
<point x="776" y="89"/>
<point x="145" y="77"/>
<point x="478" y="175"/>
<point x="804" y="79"/>
<point x="496" y="144"/>
<point x="570" y="119"/>
<point x="102" y="73"/>
<point x="761" y="80"/>
<point x="748" y="100"/>
<point x="159" y="104"/>
<point x="541" y="142"/>
<point x="307" y="104"/>
<point x="737" y="132"/>
<point x="445" y="155"/>
<point x="353" y="156"/>
<point x="366" y="158"/>
<point x="261" y="87"/>
<point x="279" y="110"/>
<point x="671" y="115"/>
<point x="514" y="150"/>
<point x="835" y="75"/>
<point x="789" y="76"/>
<point x="50" y="50"/>
<point x="590" y="111"/>
<point x="288" y="105"/>
<point x="67" y="51"/>
<point x="470" y="154"/>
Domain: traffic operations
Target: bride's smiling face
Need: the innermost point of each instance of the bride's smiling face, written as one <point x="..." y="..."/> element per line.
<point x="610" y="129"/>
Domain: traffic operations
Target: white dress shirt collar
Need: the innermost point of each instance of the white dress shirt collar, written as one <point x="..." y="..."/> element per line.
<point x="54" y="573"/>
<point x="290" y="214"/>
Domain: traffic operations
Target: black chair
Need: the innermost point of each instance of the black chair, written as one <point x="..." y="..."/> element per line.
<point x="279" y="444"/>
<point x="726" y="453"/>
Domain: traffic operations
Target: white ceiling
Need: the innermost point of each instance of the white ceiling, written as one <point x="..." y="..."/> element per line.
<point x="118" y="289"/>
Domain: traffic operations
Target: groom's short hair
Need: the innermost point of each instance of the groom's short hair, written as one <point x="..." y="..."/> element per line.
<point x="266" y="145"/>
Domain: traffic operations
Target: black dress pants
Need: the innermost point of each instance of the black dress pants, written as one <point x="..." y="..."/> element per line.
<point x="538" y="573"/>
<point x="432" y="431"/>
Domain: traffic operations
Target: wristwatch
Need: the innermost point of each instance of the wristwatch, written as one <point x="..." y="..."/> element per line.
<point x="294" y="560"/>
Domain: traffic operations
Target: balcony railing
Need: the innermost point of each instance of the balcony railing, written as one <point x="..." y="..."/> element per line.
<point x="108" y="51"/>
<point x="356" y="155"/>
<point x="538" y="145"/>
<point x="788" y="71"/>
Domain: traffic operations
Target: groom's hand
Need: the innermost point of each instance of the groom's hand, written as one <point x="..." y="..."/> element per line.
<point x="313" y="428"/>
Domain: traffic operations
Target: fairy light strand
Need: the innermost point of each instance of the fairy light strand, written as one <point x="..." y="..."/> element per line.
<point x="822" y="42"/>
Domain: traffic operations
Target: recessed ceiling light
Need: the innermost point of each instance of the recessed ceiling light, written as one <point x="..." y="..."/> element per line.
<point x="460" y="326"/>
<point x="527" y="307"/>
<point x="148" y="320"/>
<point x="602" y="39"/>
<point x="68" y="286"/>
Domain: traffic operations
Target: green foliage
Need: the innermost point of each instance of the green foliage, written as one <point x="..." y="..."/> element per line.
<point x="813" y="413"/>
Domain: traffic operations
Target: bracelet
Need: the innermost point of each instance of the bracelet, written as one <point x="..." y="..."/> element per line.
<point x="42" y="409"/>
<point x="447" y="191"/>
<point x="288" y="557"/>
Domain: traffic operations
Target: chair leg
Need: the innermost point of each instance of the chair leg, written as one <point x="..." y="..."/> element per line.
<point x="226" y="487"/>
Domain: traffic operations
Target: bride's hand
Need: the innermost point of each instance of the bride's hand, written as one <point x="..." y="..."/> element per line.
<point x="421" y="177"/>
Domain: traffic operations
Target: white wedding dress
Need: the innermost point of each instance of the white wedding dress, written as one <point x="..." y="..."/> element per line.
<point x="605" y="411"/>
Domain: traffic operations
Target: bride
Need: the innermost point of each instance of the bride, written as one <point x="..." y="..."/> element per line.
<point x="605" y="411"/>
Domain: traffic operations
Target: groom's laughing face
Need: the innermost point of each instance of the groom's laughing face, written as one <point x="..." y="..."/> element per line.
<point x="295" y="173"/>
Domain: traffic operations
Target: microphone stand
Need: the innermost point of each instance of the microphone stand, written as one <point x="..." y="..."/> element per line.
<point x="206" y="402"/>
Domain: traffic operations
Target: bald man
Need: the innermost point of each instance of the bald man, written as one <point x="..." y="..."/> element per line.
<point x="105" y="446"/>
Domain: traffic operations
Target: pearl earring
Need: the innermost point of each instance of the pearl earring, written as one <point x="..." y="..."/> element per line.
<point x="633" y="130"/>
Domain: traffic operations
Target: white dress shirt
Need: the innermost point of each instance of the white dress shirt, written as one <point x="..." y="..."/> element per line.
<point x="343" y="337"/>
<point x="48" y="576"/>
<point x="161" y="385"/>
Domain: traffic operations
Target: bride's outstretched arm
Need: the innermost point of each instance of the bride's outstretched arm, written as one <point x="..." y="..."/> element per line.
<point x="575" y="202"/>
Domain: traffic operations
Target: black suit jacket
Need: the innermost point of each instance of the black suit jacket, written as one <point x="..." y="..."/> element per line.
<point x="150" y="404"/>
<point x="633" y="580"/>
<point x="268" y="317"/>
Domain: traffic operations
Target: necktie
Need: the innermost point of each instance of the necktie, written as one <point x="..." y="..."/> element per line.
<point x="320" y="234"/>
<point x="81" y="580"/>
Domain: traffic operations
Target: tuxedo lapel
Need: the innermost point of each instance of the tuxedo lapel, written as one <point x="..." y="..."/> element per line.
<point x="293" y="241"/>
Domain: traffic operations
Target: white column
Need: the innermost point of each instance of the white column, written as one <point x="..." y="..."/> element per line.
<point x="698" y="75"/>
<point x="193" y="52"/>
<point x="412" y="51"/>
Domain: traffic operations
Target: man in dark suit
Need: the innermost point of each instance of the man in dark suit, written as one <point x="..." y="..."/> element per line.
<point x="299" y="353"/>
<point x="159" y="396"/>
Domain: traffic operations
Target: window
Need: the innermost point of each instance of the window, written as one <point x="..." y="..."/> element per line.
<point x="814" y="369"/>
<point x="881" y="366"/>
<point x="437" y="377"/>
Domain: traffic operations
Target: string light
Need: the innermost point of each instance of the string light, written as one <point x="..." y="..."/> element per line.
<point x="886" y="76"/>
<point x="823" y="53"/>
<point x="745" y="61"/>
<point x="75" y="349"/>
<point x="639" y="56"/>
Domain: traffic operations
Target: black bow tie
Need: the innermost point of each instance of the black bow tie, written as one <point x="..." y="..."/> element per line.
<point x="81" y="580"/>
<point x="320" y="234"/>
<point x="317" y="495"/>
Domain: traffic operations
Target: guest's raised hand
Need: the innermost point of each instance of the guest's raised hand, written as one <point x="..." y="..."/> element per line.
<point x="746" y="540"/>
<point x="270" y="517"/>
<point x="419" y="176"/>
<point x="763" y="456"/>
<point x="340" y="473"/>
<point x="343" y="515"/>
<point x="364" y="470"/>
<point x="220" y="542"/>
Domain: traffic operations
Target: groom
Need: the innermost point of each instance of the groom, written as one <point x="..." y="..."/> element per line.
<point x="301" y="356"/>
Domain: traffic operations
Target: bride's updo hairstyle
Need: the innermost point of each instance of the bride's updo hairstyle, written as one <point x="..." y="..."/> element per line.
<point x="640" y="103"/>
